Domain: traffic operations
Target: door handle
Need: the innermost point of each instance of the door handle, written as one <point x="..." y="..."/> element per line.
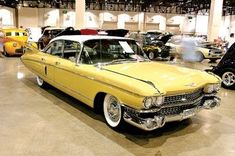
<point x="57" y="63"/>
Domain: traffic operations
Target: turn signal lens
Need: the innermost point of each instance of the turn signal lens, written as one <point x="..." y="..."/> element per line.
<point x="212" y="88"/>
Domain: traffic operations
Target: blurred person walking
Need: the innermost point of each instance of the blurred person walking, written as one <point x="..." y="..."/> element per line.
<point x="139" y="38"/>
<point x="189" y="52"/>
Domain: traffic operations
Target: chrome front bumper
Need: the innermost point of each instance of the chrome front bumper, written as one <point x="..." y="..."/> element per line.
<point x="157" y="121"/>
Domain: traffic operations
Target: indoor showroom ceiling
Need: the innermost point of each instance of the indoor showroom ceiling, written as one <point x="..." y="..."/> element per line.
<point x="158" y="6"/>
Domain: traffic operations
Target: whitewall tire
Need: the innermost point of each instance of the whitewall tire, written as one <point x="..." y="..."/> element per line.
<point x="112" y="111"/>
<point x="40" y="82"/>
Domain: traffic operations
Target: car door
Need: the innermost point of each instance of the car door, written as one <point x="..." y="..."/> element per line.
<point x="85" y="84"/>
<point x="53" y="53"/>
<point x="64" y="74"/>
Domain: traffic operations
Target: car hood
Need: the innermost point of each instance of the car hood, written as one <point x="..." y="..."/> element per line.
<point x="167" y="79"/>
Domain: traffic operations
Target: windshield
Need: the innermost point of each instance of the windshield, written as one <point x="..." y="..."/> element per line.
<point x="109" y="51"/>
<point x="52" y="32"/>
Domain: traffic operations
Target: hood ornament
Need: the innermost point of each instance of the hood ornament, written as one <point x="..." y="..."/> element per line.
<point x="191" y="84"/>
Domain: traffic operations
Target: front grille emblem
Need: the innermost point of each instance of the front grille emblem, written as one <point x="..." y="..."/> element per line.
<point x="183" y="99"/>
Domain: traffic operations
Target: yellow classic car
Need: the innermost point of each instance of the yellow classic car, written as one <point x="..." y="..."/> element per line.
<point x="13" y="41"/>
<point x="114" y="76"/>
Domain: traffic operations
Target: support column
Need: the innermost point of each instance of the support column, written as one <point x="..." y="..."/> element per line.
<point x="215" y="19"/>
<point x="16" y="18"/>
<point x="80" y="8"/>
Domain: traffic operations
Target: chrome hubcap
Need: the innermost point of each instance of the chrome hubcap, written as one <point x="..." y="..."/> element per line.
<point x="228" y="78"/>
<point x="113" y="109"/>
<point x="151" y="55"/>
<point x="39" y="80"/>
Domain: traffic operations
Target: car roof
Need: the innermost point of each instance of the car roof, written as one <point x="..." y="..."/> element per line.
<point x="12" y="29"/>
<point x="53" y="28"/>
<point x="83" y="38"/>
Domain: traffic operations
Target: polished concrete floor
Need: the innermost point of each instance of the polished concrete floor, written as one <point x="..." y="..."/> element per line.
<point x="39" y="122"/>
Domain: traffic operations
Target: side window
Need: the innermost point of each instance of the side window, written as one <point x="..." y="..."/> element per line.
<point x="8" y="33"/>
<point x="91" y="52"/>
<point x="71" y="50"/>
<point x="55" y="48"/>
<point x="17" y="34"/>
<point x="25" y="34"/>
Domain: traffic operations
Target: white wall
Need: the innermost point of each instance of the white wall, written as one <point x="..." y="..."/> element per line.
<point x="156" y="18"/>
<point x="202" y="24"/>
<point x="28" y="17"/>
<point x="38" y="17"/>
<point x="7" y="17"/>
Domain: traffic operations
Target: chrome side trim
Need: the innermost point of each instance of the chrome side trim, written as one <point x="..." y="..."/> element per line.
<point x="148" y="82"/>
<point x="90" y="78"/>
<point x="71" y="90"/>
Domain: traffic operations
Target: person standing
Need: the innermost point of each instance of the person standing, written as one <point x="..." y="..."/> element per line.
<point x="139" y="38"/>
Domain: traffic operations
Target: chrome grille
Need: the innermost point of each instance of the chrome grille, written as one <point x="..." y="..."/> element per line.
<point x="184" y="98"/>
<point x="174" y="110"/>
<point x="177" y="109"/>
<point x="216" y="52"/>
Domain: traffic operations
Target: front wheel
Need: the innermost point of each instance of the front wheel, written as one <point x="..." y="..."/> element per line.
<point x="113" y="112"/>
<point x="5" y="52"/>
<point x="228" y="78"/>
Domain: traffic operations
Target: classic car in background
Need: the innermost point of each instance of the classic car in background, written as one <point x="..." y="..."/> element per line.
<point x="48" y="33"/>
<point x="113" y="75"/>
<point x="202" y="49"/>
<point x="13" y="41"/>
<point x="226" y="68"/>
<point x="152" y="47"/>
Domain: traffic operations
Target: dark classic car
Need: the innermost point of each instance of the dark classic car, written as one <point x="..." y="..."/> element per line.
<point x="48" y="33"/>
<point x="152" y="45"/>
<point x="226" y="68"/>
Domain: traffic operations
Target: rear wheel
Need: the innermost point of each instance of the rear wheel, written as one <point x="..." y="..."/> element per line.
<point x="228" y="78"/>
<point x="151" y="55"/>
<point x="41" y="82"/>
<point x="113" y="112"/>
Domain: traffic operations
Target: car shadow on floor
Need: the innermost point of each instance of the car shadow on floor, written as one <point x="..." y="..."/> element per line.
<point x="97" y="122"/>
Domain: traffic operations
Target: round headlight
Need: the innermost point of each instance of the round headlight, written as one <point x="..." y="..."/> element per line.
<point x="212" y="88"/>
<point x="148" y="102"/>
<point x="14" y="44"/>
<point x="159" y="101"/>
<point x="209" y="89"/>
<point x="217" y="87"/>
